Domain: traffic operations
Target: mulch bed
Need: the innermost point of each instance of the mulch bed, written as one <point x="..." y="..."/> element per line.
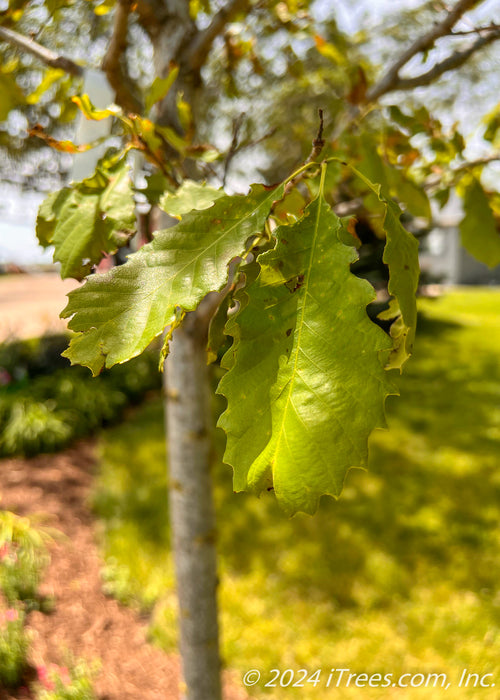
<point x="85" y="622"/>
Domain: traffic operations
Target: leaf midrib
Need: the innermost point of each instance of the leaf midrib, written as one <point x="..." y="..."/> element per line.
<point x="101" y="331"/>
<point x="300" y="326"/>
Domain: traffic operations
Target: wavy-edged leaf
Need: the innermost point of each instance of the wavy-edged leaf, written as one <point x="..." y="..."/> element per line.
<point x="401" y="257"/>
<point x="306" y="383"/>
<point x="217" y="329"/>
<point x="478" y="228"/>
<point x="190" y="195"/>
<point x="88" y="219"/>
<point x="118" y="314"/>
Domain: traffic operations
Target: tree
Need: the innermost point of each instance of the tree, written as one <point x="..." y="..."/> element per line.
<point x="264" y="278"/>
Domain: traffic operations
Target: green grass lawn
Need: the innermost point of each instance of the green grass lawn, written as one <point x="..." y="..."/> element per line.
<point x="400" y="575"/>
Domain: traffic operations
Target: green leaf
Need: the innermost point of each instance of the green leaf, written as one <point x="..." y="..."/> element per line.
<point x="90" y="112"/>
<point x="217" y="337"/>
<point x="118" y="314"/>
<point x="401" y="257"/>
<point x="12" y="95"/>
<point x="160" y="87"/>
<point x="478" y="228"/>
<point x="197" y="6"/>
<point x="371" y="164"/>
<point x="306" y="384"/>
<point x="52" y="75"/>
<point x="413" y="124"/>
<point x="409" y="193"/>
<point x="88" y="219"/>
<point x="190" y="195"/>
<point x="156" y="186"/>
<point x="329" y="51"/>
<point x="104" y="7"/>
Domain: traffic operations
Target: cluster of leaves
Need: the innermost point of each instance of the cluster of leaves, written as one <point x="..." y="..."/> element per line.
<point x="33" y="93"/>
<point x="305" y="336"/>
<point x="302" y="333"/>
<point x="296" y="400"/>
<point x="45" y="404"/>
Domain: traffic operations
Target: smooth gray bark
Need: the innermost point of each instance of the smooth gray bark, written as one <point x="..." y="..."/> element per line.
<point x="187" y="396"/>
<point x="191" y="509"/>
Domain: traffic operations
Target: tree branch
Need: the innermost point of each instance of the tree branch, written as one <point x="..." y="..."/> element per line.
<point x="203" y="41"/>
<point x="114" y="62"/>
<point x="456" y="60"/>
<point x="50" y="58"/>
<point x="492" y="158"/>
<point x="391" y="80"/>
<point x="477" y="30"/>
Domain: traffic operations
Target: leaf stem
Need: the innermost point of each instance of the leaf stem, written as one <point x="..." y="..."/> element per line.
<point x="324" y="166"/>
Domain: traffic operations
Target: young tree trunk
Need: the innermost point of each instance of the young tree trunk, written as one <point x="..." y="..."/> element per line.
<point x="191" y="508"/>
<point x="187" y="410"/>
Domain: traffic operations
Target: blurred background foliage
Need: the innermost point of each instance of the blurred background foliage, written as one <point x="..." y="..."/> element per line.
<point x="45" y="403"/>
<point x="269" y="69"/>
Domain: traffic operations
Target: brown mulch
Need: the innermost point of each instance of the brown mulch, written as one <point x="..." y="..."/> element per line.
<point x="84" y="621"/>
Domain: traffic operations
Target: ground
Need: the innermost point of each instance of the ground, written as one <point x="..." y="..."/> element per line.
<point x="400" y="575"/>
<point x="84" y="621"/>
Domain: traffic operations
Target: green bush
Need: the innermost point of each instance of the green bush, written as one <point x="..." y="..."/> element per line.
<point x="23" y="558"/>
<point x="45" y="403"/>
<point x="31" y="427"/>
<point x="63" y="683"/>
<point x="14" y="645"/>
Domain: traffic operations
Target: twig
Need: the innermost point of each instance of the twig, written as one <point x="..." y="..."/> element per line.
<point x="477" y="30"/>
<point x="233" y="147"/>
<point x="50" y="58"/>
<point x="243" y="147"/>
<point x="467" y="165"/>
<point x="114" y="63"/>
<point x="317" y="146"/>
<point x="456" y="60"/>
<point x="319" y="142"/>
<point x="391" y="80"/>
<point x="203" y="41"/>
<point x="493" y="158"/>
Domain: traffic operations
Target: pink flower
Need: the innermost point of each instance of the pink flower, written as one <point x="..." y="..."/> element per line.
<point x="43" y="676"/>
<point x="11" y="615"/>
<point x="64" y="675"/>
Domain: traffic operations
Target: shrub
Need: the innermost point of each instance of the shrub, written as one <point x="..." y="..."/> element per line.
<point x="45" y="403"/>
<point x="63" y="683"/>
<point x="14" y="646"/>
<point x="23" y="558"/>
<point x="32" y="427"/>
